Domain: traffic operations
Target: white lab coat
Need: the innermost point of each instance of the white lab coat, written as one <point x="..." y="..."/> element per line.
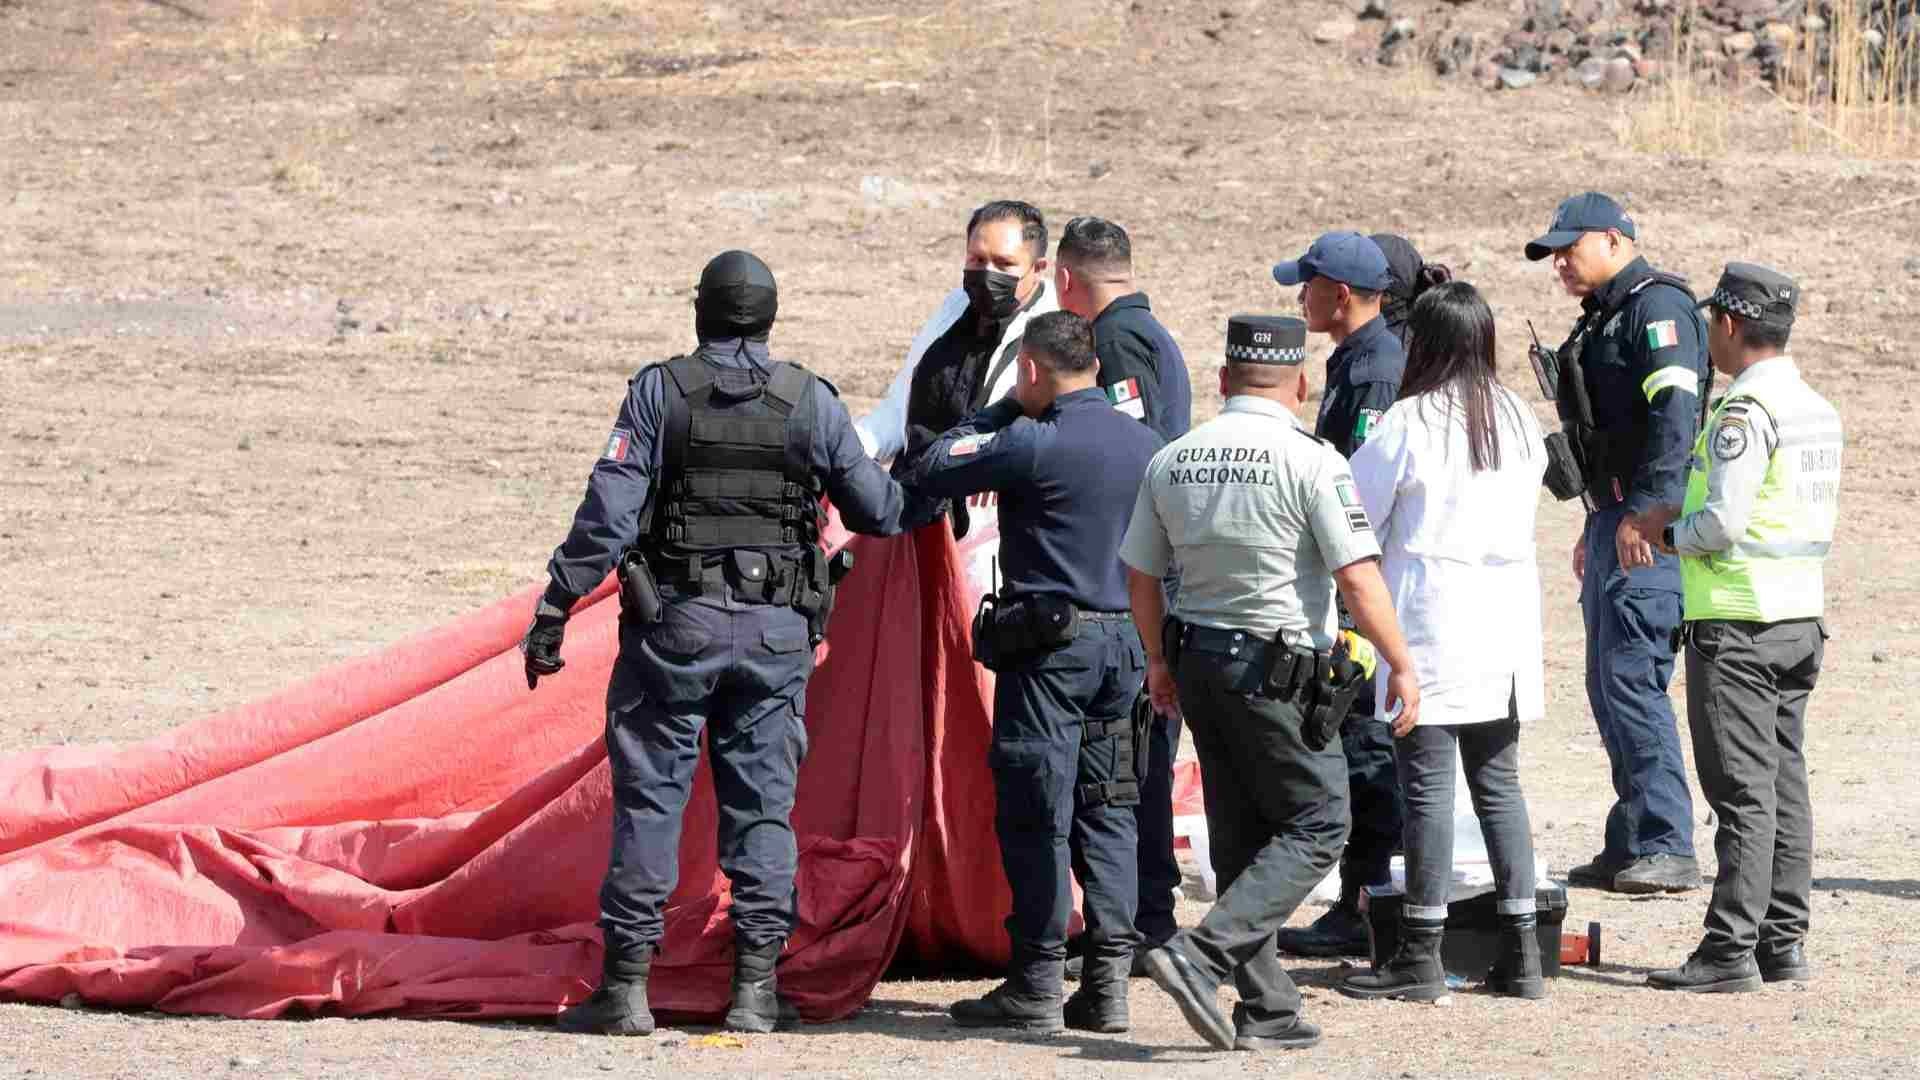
<point x="884" y="430"/>
<point x="1457" y="552"/>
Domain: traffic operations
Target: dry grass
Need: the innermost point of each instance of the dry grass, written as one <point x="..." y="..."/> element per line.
<point x="1850" y="92"/>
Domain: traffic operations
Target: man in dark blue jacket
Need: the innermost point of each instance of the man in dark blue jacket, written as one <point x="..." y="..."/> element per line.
<point x="1066" y="466"/>
<point x="1642" y="349"/>
<point x="707" y="497"/>
<point x="1343" y="278"/>
<point x="1145" y="377"/>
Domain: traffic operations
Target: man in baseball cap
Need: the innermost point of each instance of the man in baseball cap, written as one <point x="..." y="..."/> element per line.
<point x="1584" y="213"/>
<point x="1343" y="280"/>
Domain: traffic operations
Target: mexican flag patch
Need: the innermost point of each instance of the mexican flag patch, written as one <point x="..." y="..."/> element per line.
<point x="1662" y="335"/>
<point x="1125" y="396"/>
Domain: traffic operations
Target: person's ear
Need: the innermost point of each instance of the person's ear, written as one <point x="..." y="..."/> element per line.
<point x="1223" y="380"/>
<point x="1342" y="296"/>
<point x="1300" y="384"/>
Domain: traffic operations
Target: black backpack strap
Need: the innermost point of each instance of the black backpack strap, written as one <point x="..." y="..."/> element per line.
<point x="791" y="389"/>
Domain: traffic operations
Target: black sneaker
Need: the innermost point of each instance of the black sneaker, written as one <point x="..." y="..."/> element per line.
<point x="1704" y="975"/>
<point x="1657" y="874"/>
<point x="1596" y="873"/>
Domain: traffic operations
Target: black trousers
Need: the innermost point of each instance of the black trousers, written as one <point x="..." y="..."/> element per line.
<point x="1276" y="818"/>
<point x="1153" y="818"/>
<point x="1747" y="690"/>
<point x="1051" y="751"/>
<point x="1376" y="804"/>
<point x="739" y="675"/>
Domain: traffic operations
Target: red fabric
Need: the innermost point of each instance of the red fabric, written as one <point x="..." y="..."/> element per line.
<point x="415" y="833"/>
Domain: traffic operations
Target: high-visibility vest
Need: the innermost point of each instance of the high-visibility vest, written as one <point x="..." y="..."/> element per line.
<point x="1773" y="572"/>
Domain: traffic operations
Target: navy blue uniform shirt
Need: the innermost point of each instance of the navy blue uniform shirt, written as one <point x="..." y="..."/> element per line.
<point x="1066" y="481"/>
<point x="1139" y="362"/>
<point x="1647" y="374"/>
<point x="608" y="521"/>
<point x="1363" y="379"/>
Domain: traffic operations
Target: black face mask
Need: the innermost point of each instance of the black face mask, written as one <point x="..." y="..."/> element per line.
<point x="991" y="292"/>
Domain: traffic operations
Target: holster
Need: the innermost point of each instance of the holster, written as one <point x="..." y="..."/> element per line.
<point x="1123" y="788"/>
<point x="640" y="600"/>
<point x="1325" y="709"/>
<point x="1009" y="634"/>
<point x="1564" y="477"/>
<point x="1170" y="630"/>
<point x="1289" y="670"/>
<point x="816" y="585"/>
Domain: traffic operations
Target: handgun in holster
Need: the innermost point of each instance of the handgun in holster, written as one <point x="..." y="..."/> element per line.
<point x="817" y="585"/>
<point x="1008" y="633"/>
<point x="640" y="600"/>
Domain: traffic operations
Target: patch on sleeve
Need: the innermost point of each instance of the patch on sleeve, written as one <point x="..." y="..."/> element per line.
<point x="1363" y="424"/>
<point x="1730" y="439"/>
<point x="969" y="446"/>
<point x="1349" y="496"/>
<point x="1662" y="334"/>
<point x="1357" y="520"/>
<point x="617" y="444"/>
<point x="1125" y="396"/>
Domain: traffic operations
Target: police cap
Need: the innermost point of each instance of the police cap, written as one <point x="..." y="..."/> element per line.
<point x="1584" y="213"/>
<point x="1346" y="257"/>
<point x="1266" y="339"/>
<point x="1755" y="293"/>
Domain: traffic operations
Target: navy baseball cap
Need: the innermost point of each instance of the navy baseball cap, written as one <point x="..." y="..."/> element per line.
<point x="1346" y="257"/>
<point x="1585" y="213"/>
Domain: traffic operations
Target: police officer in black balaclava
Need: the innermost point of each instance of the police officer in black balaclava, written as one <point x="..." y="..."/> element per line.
<point x="1412" y="275"/>
<point x="724" y="590"/>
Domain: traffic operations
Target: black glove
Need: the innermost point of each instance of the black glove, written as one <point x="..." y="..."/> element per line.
<point x="542" y="643"/>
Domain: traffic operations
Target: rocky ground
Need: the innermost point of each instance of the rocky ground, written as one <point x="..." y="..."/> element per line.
<point x="313" y="313"/>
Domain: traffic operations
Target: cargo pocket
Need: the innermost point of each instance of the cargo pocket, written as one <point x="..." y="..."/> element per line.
<point x="1027" y="785"/>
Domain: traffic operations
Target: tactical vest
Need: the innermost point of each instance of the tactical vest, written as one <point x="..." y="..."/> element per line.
<point x="1773" y="571"/>
<point x="737" y="462"/>
<point x="1612" y="455"/>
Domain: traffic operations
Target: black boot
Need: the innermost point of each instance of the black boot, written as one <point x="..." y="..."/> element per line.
<point x="1517" y="972"/>
<point x="1101" y="1002"/>
<point x="1028" y="1000"/>
<point x="1413" y="974"/>
<point x="757" y="1007"/>
<point x="1339" y="932"/>
<point x="619" y="1005"/>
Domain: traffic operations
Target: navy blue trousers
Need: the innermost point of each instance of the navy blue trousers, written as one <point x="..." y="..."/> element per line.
<point x="1049" y="829"/>
<point x="1630" y="621"/>
<point x="739" y="674"/>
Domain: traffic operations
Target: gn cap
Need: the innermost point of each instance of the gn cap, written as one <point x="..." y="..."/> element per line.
<point x="1755" y="293"/>
<point x="1590" y="212"/>
<point x="1346" y="257"/>
<point x="1266" y="339"/>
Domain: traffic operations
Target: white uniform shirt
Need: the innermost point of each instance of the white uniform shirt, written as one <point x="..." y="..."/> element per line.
<point x="1458" y="555"/>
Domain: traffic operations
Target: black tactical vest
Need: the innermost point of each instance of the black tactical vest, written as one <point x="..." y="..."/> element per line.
<point x="1612" y="454"/>
<point x="737" y="461"/>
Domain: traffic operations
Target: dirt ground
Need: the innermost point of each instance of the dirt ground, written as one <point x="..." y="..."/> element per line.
<point x="313" y="314"/>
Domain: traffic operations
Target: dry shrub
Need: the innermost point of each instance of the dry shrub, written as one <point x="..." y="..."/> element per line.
<point x="1850" y="91"/>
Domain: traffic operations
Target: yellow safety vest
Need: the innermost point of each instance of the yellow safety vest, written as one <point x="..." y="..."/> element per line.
<point x="1773" y="572"/>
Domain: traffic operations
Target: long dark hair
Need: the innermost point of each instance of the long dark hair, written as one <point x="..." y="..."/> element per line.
<point x="1451" y="350"/>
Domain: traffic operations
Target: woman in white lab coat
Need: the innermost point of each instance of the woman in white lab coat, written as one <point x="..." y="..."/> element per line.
<point x="1450" y="476"/>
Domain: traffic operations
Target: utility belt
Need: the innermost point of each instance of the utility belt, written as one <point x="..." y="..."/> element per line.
<point x="1321" y="683"/>
<point x="1012" y="632"/>
<point x="806" y="581"/>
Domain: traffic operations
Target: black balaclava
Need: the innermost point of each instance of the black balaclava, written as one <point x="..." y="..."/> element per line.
<point x="1404" y="264"/>
<point x="737" y="298"/>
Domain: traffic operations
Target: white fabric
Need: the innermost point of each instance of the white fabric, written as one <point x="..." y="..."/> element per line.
<point x="883" y="432"/>
<point x="1458" y="555"/>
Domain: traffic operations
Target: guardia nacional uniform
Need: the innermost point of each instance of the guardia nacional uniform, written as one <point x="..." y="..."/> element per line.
<point x="1258" y="513"/>
<point x="1761" y="503"/>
